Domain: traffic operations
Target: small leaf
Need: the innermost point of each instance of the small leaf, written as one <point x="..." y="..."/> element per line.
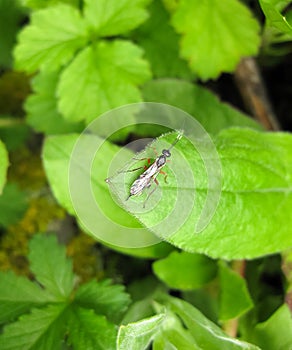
<point x="111" y="17"/>
<point x="206" y="334"/>
<point x="41" y="107"/>
<point x="51" y="39"/>
<point x="160" y="42"/>
<point x="3" y="166"/>
<point x="199" y="102"/>
<point x="234" y="297"/>
<point x="276" y="332"/>
<point x="103" y="298"/>
<point x="103" y="77"/>
<point x="138" y="335"/>
<point x="42" y="329"/>
<point x="12" y="205"/>
<point x="197" y="270"/>
<point x="256" y="174"/>
<point x="18" y="295"/>
<point x="215" y="35"/>
<point x="91" y="331"/>
<point x="51" y="267"/>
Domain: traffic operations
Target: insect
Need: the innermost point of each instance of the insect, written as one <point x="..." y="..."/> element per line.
<point x="146" y="179"/>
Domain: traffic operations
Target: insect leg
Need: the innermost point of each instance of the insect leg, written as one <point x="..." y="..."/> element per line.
<point x="165" y="175"/>
<point x="149" y="194"/>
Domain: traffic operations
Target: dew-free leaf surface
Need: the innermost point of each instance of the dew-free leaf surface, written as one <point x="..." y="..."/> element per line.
<point x="215" y="35"/>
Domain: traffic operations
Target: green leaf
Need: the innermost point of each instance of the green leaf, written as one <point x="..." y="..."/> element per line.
<point x="276" y="332"/>
<point x="56" y="157"/>
<point x="199" y="102"/>
<point x="206" y="334"/>
<point x="3" y="166"/>
<point x="37" y="4"/>
<point x="90" y="331"/>
<point x="255" y="196"/>
<point x="234" y="297"/>
<point x="42" y="329"/>
<point x="197" y="270"/>
<point x="10" y="16"/>
<point x="51" y="267"/>
<point x="274" y="18"/>
<point x="215" y="35"/>
<point x="160" y="42"/>
<point x="138" y="335"/>
<point x="18" y="295"/>
<point x="111" y="17"/>
<point x="13" y="132"/>
<point x="103" y="298"/>
<point x="103" y="77"/>
<point x="51" y="39"/>
<point x="12" y="205"/>
<point x="41" y="107"/>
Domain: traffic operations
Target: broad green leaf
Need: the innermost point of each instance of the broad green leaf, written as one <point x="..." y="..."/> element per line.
<point x="215" y="35"/>
<point x="3" y="166"/>
<point x="197" y="270"/>
<point x="255" y="196"/>
<point x="207" y="335"/>
<point x="56" y="157"/>
<point x="12" y="205"/>
<point x="111" y="17"/>
<point x="51" y="267"/>
<point x="103" y="298"/>
<point x="41" y="329"/>
<point x="37" y="4"/>
<point x="101" y="78"/>
<point x="234" y="297"/>
<point x="91" y="331"/>
<point x="41" y="107"/>
<point x="276" y="332"/>
<point x="274" y="18"/>
<point x="18" y="295"/>
<point x="199" y="102"/>
<point x="51" y="39"/>
<point x="138" y="335"/>
<point x="10" y="16"/>
<point x="160" y="42"/>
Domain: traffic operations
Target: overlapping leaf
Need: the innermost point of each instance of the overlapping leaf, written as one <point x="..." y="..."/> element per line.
<point x="215" y="35"/>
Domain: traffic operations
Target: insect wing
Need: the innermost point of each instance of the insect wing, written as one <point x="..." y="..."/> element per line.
<point x="144" y="180"/>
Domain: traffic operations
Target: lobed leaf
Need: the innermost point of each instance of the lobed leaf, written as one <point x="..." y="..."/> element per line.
<point x="18" y="295"/>
<point x="41" y="107"/>
<point x="51" y="39"/>
<point x="109" y="70"/>
<point x="111" y="17"/>
<point x="90" y="331"/>
<point x="197" y="270"/>
<point x="215" y="35"/>
<point x="103" y="298"/>
<point x="51" y="267"/>
<point x="42" y="329"/>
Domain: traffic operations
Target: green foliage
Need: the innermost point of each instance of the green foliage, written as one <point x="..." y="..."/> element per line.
<point x="234" y="299"/>
<point x="55" y="311"/>
<point x="37" y="4"/>
<point x="166" y="330"/>
<point x="256" y="174"/>
<point x="197" y="270"/>
<point x="13" y="204"/>
<point x="3" y="166"/>
<point x="215" y="35"/>
<point x="10" y="16"/>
